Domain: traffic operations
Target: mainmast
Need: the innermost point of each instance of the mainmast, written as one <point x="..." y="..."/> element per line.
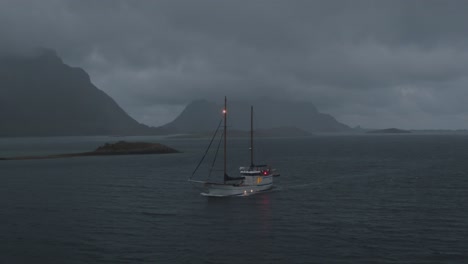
<point x="251" y="138"/>
<point x="225" y="134"/>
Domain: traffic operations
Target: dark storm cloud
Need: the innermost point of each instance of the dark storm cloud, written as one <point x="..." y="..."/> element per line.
<point x="373" y="63"/>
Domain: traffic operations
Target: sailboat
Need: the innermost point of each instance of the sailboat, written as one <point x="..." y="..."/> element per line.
<point x="253" y="179"/>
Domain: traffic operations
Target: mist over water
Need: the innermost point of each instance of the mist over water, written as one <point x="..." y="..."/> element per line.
<point x="340" y="199"/>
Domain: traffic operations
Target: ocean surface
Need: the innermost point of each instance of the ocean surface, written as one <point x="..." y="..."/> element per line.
<point x="340" y="199"/>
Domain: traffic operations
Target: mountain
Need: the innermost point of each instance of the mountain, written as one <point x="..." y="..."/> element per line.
<point x="42" y="96"/>
<point x="201" y="116"/>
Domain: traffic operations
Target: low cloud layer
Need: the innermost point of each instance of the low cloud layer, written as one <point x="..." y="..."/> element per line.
<point x="371" y="63"/>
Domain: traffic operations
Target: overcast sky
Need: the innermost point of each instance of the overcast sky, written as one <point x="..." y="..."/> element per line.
<point x="372" y="63"/>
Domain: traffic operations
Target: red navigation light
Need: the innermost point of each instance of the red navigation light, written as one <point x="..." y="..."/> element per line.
<point x="265" y="172"/>
<point x="224" y="111"/>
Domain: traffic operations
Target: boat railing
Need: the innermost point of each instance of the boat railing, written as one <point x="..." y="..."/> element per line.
<point x="254" y="168"/>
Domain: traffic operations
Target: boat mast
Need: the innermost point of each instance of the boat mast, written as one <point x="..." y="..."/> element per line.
<point x="251" y="138"/>
<point x="225" y="126"/>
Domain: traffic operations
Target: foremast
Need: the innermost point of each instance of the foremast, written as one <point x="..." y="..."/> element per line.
<point x="251" y="138"/>
<point x="226" y="177"/>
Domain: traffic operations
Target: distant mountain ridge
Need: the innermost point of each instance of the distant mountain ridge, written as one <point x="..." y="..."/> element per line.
<point x="202" y="115"/>
<point x="42" y="96"/>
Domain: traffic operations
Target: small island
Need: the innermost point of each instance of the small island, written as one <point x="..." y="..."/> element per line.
<point x="118" y="148"/>
<point x="389" y="131"/>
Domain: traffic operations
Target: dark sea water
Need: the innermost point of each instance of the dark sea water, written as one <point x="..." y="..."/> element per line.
<point x="340" y="199"/>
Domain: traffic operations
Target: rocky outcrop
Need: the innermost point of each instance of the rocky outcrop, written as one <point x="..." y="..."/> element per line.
<point x="126" y="148"/>
<point x="119" y="148"/>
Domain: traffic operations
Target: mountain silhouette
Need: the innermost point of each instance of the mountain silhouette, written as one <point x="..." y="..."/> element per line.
<point x="202" y="116"/>
<point x="42" y="96"/>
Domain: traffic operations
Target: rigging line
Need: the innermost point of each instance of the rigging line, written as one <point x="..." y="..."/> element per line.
<point x="216" y="155"/>
<point x="206" y="152"/>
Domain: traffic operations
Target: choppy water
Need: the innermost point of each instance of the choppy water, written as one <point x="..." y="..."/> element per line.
<point x="340" y="199"/>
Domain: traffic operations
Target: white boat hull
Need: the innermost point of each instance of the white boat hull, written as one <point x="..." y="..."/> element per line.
<point x="222" y="190"/>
